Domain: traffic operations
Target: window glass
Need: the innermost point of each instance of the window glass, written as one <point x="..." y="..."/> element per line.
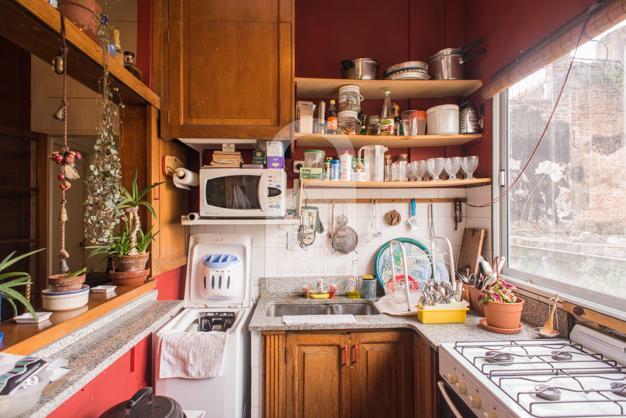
<point x="567" y="215"/>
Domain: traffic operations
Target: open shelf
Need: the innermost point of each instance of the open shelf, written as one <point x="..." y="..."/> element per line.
<point x="427" y="184"/>
<point x="35" y="26"/>
<point x="321" y="88"/>
<point x="357" y="141"/>
<point x="184" y="220"/>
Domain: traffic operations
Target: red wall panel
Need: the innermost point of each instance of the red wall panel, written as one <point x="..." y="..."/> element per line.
<point x="117" y="383"/>
<point x="509" y="28"/>
<point x="171" y="285"/>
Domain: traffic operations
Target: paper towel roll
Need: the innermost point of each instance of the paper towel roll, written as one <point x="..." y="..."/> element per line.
<point x="184" y="178"/>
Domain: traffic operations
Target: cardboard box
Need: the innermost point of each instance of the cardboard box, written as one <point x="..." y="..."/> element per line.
<point x="311" y="173"/>
<point x="275" y="162"/>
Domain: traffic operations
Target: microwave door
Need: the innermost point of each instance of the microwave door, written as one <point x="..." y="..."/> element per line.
<point x="233" y="196"/>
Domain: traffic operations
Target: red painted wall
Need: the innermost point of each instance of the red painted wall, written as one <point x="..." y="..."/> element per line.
<point x="117" y="383"/>
<point x="171" y="285"/>
<point x="509" y="28"/>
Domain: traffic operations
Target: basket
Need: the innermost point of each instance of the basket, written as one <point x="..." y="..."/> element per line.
<point x="445" y="313"/>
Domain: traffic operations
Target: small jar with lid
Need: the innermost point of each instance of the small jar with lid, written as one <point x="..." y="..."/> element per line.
<point x="373" y="125"/>
<point x="368" y="286"/>
<point x="403" y="167"/>
<point x="314" y="158"/>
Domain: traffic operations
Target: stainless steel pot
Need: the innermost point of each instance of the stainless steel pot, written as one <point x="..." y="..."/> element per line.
<point x="468" y="119"/>
<point x="359" y="69"/>
<point x="448" y="64"/>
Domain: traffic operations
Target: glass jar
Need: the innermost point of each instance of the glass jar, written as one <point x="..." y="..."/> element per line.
<point x="350" y="98"/>
<point x="348" y="122"/>
<point x="368" y="286"/>
<point x="314" y="158"/>
<point x="387" y="167"/>
<point x="403" y="162"/>
<point x="373" y="125"/>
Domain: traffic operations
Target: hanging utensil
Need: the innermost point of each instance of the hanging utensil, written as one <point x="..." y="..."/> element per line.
<point x="374" y="232"/>
<point x="413" y="221"/>
<point x="393" y="218"/>
<point x="331" y="229"/>
<point x="345" y="239"/>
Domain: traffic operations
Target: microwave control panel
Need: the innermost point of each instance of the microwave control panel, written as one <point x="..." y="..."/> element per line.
<point x="276" y="185"/>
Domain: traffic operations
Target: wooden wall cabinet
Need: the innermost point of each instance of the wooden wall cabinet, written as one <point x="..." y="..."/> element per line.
<point x="339" y="375"/>
<point x="228" y="68"/>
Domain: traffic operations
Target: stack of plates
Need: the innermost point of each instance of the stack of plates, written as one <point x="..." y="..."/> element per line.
<point x="408" y="70"/>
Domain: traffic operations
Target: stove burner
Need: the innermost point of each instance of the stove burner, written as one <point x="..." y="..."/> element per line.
<point x="619" y="388"/>
<point x="493" y="356"/>
<point x="547" y="392"/>
<point x="562" y="355"/>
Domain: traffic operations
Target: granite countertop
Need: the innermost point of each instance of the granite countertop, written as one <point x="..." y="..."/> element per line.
<point x="437" y="334"/>
<point x="92" y="353"/>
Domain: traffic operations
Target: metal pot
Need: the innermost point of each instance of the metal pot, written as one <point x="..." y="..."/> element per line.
<point x="468" y="119"/>
<point x="448" y="64"/>
<point x="359" y="69"/>
<point x="144" y="405"/>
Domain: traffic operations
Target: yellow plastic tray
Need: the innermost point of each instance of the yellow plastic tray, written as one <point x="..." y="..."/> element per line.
<point x="442" y="316"/>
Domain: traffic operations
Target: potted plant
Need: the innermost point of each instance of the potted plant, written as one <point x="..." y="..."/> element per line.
<point x="503" y="309"/>
<point x="128" y="248"/>
<point x="10" y="280"/>
<point x="64" y="282"/>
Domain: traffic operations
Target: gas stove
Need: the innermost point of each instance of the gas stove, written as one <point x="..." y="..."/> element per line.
<point x="581" y="377"/>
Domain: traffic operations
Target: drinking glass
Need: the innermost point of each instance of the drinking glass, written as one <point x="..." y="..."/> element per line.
<point x="469" y="165"/>
<point x="434" y="167"/>
<point x="420" y="169"/>
<point x="452" y="165"/>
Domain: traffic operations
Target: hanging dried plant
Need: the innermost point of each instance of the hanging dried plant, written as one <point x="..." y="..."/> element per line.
<point x="104" y="181"/>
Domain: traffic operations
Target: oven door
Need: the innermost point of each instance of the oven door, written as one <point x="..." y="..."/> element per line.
<point x="231" y="193"/>
<point x="451" y="405"/>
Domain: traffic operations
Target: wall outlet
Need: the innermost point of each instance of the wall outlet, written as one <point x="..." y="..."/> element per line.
<point x="297" y="165"/>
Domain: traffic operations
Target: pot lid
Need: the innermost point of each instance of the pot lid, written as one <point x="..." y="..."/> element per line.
<point x="144" y="405"/>
<point x="445" y="52"/>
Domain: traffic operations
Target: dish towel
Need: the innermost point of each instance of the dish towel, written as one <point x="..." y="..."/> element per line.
<point x="318" y="319"/>
<point x="192" y="355"/>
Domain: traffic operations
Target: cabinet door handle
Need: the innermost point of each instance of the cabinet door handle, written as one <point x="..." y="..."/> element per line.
<point x="354" y="355"/>
<point x="344" y="352"/>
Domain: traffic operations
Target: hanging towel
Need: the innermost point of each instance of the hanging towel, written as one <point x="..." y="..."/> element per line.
<point x="192" y="355"/>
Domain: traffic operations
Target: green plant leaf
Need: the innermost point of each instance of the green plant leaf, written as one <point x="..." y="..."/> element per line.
<point x="17" y="296"/>
<point x="9" y="260"/>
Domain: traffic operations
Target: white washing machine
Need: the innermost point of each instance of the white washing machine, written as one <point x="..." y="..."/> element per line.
<point x="217" y="297"/>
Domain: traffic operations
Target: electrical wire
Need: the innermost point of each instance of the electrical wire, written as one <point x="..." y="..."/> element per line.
<point x="510" y="187"/>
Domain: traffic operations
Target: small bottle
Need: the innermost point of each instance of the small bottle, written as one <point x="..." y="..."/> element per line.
<point x="321" y="117"/>
<point x="387" y="167"/>
<point x="362" y="123"/>
<point x="403" y="162"/>
<point x="327" y="168"/>
<point x="397" y="125"/>
<point x="386" y="116"/>
<point x="345" y="166"/>
<point x="331" y="118"/>
<point x="334" y="170"/>
<point x="129" y="64"/>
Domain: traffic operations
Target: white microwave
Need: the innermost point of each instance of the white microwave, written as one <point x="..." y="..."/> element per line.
<point x="242" y="193"/>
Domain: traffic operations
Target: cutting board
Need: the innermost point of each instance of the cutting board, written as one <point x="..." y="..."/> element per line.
<point x="471" y="248"/>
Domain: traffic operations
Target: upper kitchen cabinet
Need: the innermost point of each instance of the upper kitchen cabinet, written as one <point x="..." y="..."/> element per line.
<point x="229" y="69"/>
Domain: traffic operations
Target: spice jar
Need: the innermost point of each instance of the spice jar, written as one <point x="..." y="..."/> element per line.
<point x="373" y="125"/>
<point x="403" y="163"/>
<point x="387" y="167"/>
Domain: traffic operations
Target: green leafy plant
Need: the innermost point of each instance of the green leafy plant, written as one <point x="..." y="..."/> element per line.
<point x="130" y="203"/>
<point x="144" y="239"/>
<point x="9" y="281"/>
<point x="500" y="292"/>
<point x="77" y="272"/>
<point x="119" y="246"/>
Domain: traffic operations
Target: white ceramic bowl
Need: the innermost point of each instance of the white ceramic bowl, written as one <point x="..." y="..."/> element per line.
<point x="65" y="301"/>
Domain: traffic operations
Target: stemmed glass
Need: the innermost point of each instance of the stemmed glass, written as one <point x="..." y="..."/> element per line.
<point x="452" y="165"/>
<point x="434" y="167"/>
<point x="418" y="169"/>
<point x="469" y="165"/>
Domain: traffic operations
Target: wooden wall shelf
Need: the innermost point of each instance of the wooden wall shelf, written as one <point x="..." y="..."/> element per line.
<point x="35" y="26"/>
<point x="428" y="184"/>
<point x="186" y="222"/>
<point x="357" y="141"/>
<point x="322" y="88"/>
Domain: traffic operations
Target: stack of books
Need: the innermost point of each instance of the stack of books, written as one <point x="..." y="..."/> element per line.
<point x="225" y="159"/>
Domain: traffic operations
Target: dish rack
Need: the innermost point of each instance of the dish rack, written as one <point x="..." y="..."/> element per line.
<point x="403" y="291"/>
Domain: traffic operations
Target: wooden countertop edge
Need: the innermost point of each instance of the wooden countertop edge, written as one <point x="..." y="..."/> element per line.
<point x="55" y="333"/>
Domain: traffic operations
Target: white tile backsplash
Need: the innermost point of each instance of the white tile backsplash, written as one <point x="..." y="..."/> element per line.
<point x="271" y="256"/>
<point x="480" y="217"/>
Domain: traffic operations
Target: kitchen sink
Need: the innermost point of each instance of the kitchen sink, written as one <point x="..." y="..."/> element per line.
<point x="359" y="308"/>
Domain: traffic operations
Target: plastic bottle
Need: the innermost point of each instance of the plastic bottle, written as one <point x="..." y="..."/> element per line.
<point x="331" y="118"/>
<point x="345" y="166"/>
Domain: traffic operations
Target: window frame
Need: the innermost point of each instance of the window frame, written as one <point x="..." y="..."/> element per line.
<point x="542" y="286"/>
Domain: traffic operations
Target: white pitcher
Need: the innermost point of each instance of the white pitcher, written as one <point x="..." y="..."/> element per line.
<point x="374" y="161"/>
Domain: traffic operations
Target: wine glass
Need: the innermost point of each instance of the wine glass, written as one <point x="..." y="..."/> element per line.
<point x="434" y="167"/>
<point x="417" y="170"/>
<point x="452" y="165"/>
<point x="469" y="165"/>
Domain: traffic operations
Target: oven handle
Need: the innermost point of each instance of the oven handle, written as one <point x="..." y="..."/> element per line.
<point x="446" y="397"/>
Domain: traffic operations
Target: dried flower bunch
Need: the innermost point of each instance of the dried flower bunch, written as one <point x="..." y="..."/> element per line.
<point x="104" y="181"/>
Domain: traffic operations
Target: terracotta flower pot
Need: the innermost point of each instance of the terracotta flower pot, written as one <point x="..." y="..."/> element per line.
<point x="504" y="315"/>
<point x="62" y="283"/>
<point x="83" y="13"/>
<point x="130" y="262"/>
<point x="475" y="300"/>
<point x="129" y="278"/>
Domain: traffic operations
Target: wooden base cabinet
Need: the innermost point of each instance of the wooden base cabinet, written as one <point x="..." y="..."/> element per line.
<point x="340" y="375"/>
<point x="425" y="375"/>
<point x="228" y="68"/>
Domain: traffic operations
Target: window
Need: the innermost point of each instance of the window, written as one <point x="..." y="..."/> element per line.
<point x="564" y="224"/>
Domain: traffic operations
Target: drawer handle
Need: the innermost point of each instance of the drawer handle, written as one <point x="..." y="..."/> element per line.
<point x="354" y="354"/>
<point x="344" y="351"/>
<point x="446" y="397"/>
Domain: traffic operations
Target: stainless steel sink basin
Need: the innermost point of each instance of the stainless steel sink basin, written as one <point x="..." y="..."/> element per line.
<point x="360" y="308"/>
